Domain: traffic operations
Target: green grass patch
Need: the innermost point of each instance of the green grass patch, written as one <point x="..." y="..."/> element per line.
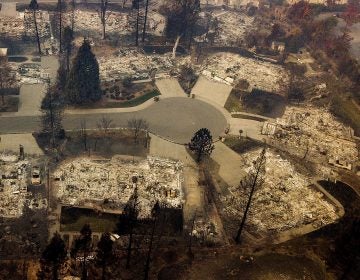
<point x="233" y="104"/>
<point x="11" y="104"/>
<point x="17" y="59"/>
<point x="125" y="104"/>
<point x="247" y="117"/>
<point x="138" y="101"/>
<point x="257" y="102"/>
<point x="241" y="145"/>
<point x="345" y="109"/>
<point x="73" y="219"/>
<point x="10" y="91"/>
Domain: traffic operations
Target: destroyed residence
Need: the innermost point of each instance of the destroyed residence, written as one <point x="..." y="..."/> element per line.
<point x="108" y="184"/>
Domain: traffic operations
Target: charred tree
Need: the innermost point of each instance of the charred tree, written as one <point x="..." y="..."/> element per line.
<point x="253" y="181"/>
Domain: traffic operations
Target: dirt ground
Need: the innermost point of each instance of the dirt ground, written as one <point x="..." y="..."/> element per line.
<point x="262" y="267"/>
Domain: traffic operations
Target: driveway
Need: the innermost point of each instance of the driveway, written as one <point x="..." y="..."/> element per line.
<point x="213" y="91"/>
<point x="8" y="10"/>
<point x="169" y="87"/>
<point x="176" y="119"/>
<point x="31" y="96"/>
<point x="11" y="142"/>
<point x="230" y="164"/>
<point x="194" y="194"/>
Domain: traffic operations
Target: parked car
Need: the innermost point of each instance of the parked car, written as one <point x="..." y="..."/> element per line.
<point x="35" y="176"/>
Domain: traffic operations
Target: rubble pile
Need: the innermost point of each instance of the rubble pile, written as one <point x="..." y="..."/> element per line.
<point x="43" y="24"/>
<point x="317" y="131"/>
<point x="118" y="23"/>
<point x="11" y="27"/>
<point x="32" y="73"/>
<point x="286" y="200"/>
<point x="89" y="183"/>
<point x="260" y="74"/>
<point x="13" y="185"/>
<point x="232" y="27"/>
<point x="134" y="63"/>
<point x="205" y="231"/>
<point x="29" y="73"/>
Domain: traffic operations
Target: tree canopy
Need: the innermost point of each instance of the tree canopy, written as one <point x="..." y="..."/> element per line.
<point x="181" y="16"/>
<point x="53" y="257"/>
<point x="201" y="143"/>
<point x="83" y="85"/>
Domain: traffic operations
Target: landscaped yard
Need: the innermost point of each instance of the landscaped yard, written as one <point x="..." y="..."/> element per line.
<point x="138" y="94"/>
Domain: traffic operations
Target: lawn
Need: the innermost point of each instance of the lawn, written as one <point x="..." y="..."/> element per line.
<point x="73" y="219"/>
<point x="256" y="102"/>
<point x="346" y="110"/>
<point x="136" y="101"/>
<point x="241" y="145"/>
<point x="11" y="104"/>
<point x="123" y="104"/>
<point x="247" y="117"/>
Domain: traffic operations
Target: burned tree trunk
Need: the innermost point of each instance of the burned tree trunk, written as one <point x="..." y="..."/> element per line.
<point x="103" y="16"/>
<point x="254" y="180"/>
<point x="145" y="20"/>
<point x="37" y="32"/>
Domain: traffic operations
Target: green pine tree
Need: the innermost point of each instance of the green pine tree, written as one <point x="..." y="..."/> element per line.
<point x="201" y="144"/>
<point x="83" y="85"/>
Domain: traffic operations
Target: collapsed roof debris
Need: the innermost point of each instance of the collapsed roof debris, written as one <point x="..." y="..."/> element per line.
<point x="317" y="132"/>
<point x="118" y="23"/>
<point x="260" y="74"/>
<point x="108" y="183"/>
<point x="136" y="64"/>
<point x="13" y="187"/>
<point x="286" y="200"/>
<point x="227" y="20"/>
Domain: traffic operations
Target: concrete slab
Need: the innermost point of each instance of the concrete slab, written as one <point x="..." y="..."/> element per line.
<point x="216" y="92"/>
<point x="169" y="87"/>
<point x="11" y="142"/>
<point x="31" y="96"/>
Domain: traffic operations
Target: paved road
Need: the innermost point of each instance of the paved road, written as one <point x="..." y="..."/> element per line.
<point x="173" y="118"/>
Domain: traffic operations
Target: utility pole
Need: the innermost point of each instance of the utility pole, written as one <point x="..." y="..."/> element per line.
<point x="52" y="141"/>
<point x="132" y="217"/>
<point x="48" y="185"/>
<point x="137" y="23"/>
<point x="190" y="239"/>
<point x="60" y="25"/>
<point x="148" y="258"/>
